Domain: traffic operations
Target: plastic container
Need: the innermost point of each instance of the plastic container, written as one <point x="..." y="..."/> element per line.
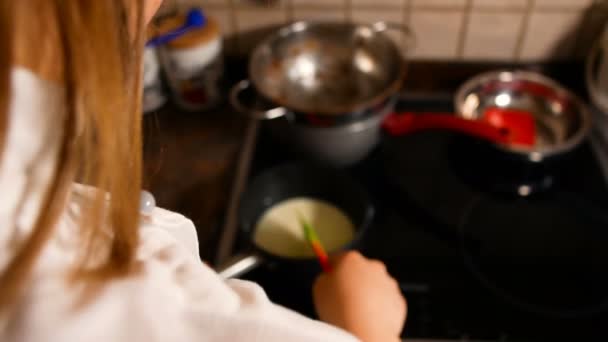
<point x="193" y="64"/>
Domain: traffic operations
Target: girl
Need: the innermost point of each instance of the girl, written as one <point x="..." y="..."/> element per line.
<point x="79" y="263"/>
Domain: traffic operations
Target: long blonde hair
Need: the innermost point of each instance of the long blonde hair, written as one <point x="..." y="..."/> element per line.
<point x="99" y="44"/>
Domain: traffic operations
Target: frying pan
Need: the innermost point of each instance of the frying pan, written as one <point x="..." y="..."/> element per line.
<point x="562" y="120"/>
<point x="292" y="180"/>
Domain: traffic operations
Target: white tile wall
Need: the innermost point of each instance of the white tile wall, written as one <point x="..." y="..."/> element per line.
<point x="370" y="16"/>
<point x="563" y="4"/>
<point x="326" y="14"/>
<point x="436" y="33"/>
<point x="255" y="4"/>
<point x="492" y="36"/>
<point x="500" y="4"/>
<point x="251" y="19"/>
<point x="319" y="3"/>
<point x="378" y="3"/>
<point x="203" y="3"/>
<point x="438" y="3"/>
<point x="551" y="35"/>
<point x="445" y="29"/>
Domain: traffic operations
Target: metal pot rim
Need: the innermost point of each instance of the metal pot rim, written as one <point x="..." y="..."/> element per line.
<point x="297" y="26"/>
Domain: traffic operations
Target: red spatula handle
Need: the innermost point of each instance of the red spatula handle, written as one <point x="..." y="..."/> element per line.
<point x="404" y="123"/>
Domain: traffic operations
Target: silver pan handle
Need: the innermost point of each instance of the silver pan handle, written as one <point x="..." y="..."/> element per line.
<point x="239" y="265"/>
<point x="235" y="93"/>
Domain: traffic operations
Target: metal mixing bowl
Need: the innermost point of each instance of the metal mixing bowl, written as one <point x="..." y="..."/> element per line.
<point x="327" y="68"/>
<point x="562" y="119"/>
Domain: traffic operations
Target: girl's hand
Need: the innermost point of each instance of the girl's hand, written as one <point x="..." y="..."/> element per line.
<point x="361" y="297"/>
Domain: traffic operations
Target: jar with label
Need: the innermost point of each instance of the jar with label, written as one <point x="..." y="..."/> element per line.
<point x="193" y="64"/>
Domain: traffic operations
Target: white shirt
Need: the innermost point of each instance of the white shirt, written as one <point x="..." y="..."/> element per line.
<point x="175" y="297"/>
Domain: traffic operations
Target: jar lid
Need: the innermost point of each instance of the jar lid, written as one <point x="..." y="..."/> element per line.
<point x="151" y="32"/>
<point x="209" y="32"/>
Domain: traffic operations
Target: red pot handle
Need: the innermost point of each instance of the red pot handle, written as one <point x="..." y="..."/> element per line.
<point x="404" y="123"/>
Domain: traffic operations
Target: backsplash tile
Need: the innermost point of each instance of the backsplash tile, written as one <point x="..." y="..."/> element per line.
<point x="252" y="19"/>
<point x="319" y="3"/>
<point x="436" y="33"/>
<point x="551" y="35"/>
<point x="260" y="4"/>
<point x="370" y="16"/>
<point x="429" y="4"/>
<point x="500" y="4"/>
<point x="562" y="4"/>
<point x="201" y="3"/>
<point x="502" y="30"/>
<point x="378" y="3"/>
<point x="252" y="25"/>
<point x="492" y="36"/>
<point x="325" y="14"/>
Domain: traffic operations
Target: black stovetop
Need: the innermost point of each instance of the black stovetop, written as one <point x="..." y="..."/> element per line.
<point x="474" y="260"/>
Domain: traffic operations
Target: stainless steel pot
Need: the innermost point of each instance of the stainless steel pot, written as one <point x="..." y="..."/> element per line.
<point x="340" y="145"/>
<point x="562" y="119"/>
<point x="332" y="83"/>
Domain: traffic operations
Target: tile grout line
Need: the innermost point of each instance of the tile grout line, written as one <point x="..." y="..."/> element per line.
<point x="437" y="9"/>
<point x="408" y="11"/>
<point x="523" y="31"/>
<point x="289" y="11"/>
<point x="234" y="31"/>
<point x="546" y="9"/>
<point x="405" y="18"/>
<point x="464" y="26"/>
<point x="348" y="10"/>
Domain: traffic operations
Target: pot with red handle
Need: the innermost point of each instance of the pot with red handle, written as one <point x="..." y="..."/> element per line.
<point x="506" y="127"/>
<point x="561" y="120"/>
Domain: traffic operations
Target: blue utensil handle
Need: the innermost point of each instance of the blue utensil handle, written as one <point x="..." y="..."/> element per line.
<point x="194" y="19"/>
<point x="167" y="37"/>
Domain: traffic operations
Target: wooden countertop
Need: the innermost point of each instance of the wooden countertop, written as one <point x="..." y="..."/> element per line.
<point x="189" y="162"/>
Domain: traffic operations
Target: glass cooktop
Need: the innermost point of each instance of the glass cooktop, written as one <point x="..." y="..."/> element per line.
<point x="484" y="247"/>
